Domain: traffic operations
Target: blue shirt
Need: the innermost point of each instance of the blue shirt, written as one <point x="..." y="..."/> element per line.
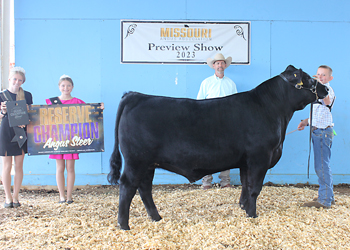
<point x="214" y="86"/>
<point x="321" y="115"/>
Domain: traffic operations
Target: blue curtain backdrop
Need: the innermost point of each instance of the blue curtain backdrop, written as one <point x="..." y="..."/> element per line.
<point x="81" y="38"/>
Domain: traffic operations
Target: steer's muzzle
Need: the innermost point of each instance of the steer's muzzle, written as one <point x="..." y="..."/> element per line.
<point x="321" y="90"/>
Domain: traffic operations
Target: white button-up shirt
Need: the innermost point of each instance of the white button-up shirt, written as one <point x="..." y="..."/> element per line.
<point x="214" y="86"/>
<point x="321" y="115"/>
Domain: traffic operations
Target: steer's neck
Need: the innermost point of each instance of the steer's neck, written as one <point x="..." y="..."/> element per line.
<point x="273" y="97"/>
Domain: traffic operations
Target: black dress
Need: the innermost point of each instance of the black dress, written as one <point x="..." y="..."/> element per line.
<point x="7" y="133"/>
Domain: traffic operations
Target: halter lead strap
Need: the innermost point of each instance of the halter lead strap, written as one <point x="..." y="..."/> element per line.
<point x="308" y="161"/>
<point x="313" y="90"/>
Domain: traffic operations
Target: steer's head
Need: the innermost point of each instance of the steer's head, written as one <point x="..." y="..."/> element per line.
<point x="309" y="89"/>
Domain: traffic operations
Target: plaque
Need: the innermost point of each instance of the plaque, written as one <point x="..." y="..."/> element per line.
<point x="17" y="113"/>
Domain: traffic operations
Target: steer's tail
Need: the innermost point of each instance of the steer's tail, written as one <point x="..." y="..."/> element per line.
<point x="116" y="159"/>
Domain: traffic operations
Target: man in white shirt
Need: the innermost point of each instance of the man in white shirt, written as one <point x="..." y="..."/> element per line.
<point x="215" y="86"/>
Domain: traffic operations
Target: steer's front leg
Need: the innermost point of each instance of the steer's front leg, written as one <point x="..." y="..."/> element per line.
<point x="254" y="185"/>
<point x="243" y="200"/>
<point x="251" y="208"/>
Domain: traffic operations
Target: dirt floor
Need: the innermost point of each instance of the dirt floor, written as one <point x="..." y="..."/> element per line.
<point x="192" y="219"/>
<point x="37" y="195"/>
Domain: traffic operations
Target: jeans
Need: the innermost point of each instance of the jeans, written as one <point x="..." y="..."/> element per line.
<point x="322" y="142"/>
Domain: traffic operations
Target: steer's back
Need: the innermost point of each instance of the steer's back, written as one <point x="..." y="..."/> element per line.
<point x="189" y="137"/>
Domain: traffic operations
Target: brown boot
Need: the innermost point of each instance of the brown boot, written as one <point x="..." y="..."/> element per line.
<point x="206" y="187"/>
<point x="314" y="204"/>
<point x="315" y="199"/>
<point x="227" y="186"/>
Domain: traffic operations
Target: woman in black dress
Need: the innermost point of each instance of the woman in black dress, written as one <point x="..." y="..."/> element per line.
<point x="9" y="149"/>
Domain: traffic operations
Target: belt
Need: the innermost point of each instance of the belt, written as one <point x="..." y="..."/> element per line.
<point x="313" y="128"/>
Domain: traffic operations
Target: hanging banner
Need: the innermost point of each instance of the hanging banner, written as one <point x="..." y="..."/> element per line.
<point x="181" y="42"/>
<point x="65" y="129"/>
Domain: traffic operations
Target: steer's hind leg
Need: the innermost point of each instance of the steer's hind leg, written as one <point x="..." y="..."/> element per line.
<point x="145" y="190"/>
<point x="127" y="192"/>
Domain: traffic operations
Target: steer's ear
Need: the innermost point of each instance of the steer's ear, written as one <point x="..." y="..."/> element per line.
<point x="293" y="75"/>
<point x="290" y="68"/>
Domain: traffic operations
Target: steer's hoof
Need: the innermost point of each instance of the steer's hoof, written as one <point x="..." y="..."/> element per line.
<point x="124" y="227"/>
<point x="156" y="218"/>
<point x="252" y="216"/>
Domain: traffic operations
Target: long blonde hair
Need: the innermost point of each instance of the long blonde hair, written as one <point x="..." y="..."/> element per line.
<point x="22" y="72"/>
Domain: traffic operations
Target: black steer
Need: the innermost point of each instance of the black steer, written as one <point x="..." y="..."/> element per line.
<point x="195" y="138"/>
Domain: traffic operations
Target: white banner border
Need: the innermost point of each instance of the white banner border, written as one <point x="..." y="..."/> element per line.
<point x="123" y="35"/>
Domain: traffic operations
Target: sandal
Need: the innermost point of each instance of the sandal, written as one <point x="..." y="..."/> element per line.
<point x="16" y="204"/>
<point x="8" y="205"/>
<point x="70" y="201"/>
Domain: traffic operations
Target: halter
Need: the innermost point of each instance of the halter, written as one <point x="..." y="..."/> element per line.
<point x="300" y="85"/>
<point x="313" y="90"/>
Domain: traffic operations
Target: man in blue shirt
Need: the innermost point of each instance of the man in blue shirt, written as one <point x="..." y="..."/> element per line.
<point x="322" y="138"/>
<point x="215" y="86"/>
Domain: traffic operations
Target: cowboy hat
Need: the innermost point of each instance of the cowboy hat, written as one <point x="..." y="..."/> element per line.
<point x="219" y="57"/>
